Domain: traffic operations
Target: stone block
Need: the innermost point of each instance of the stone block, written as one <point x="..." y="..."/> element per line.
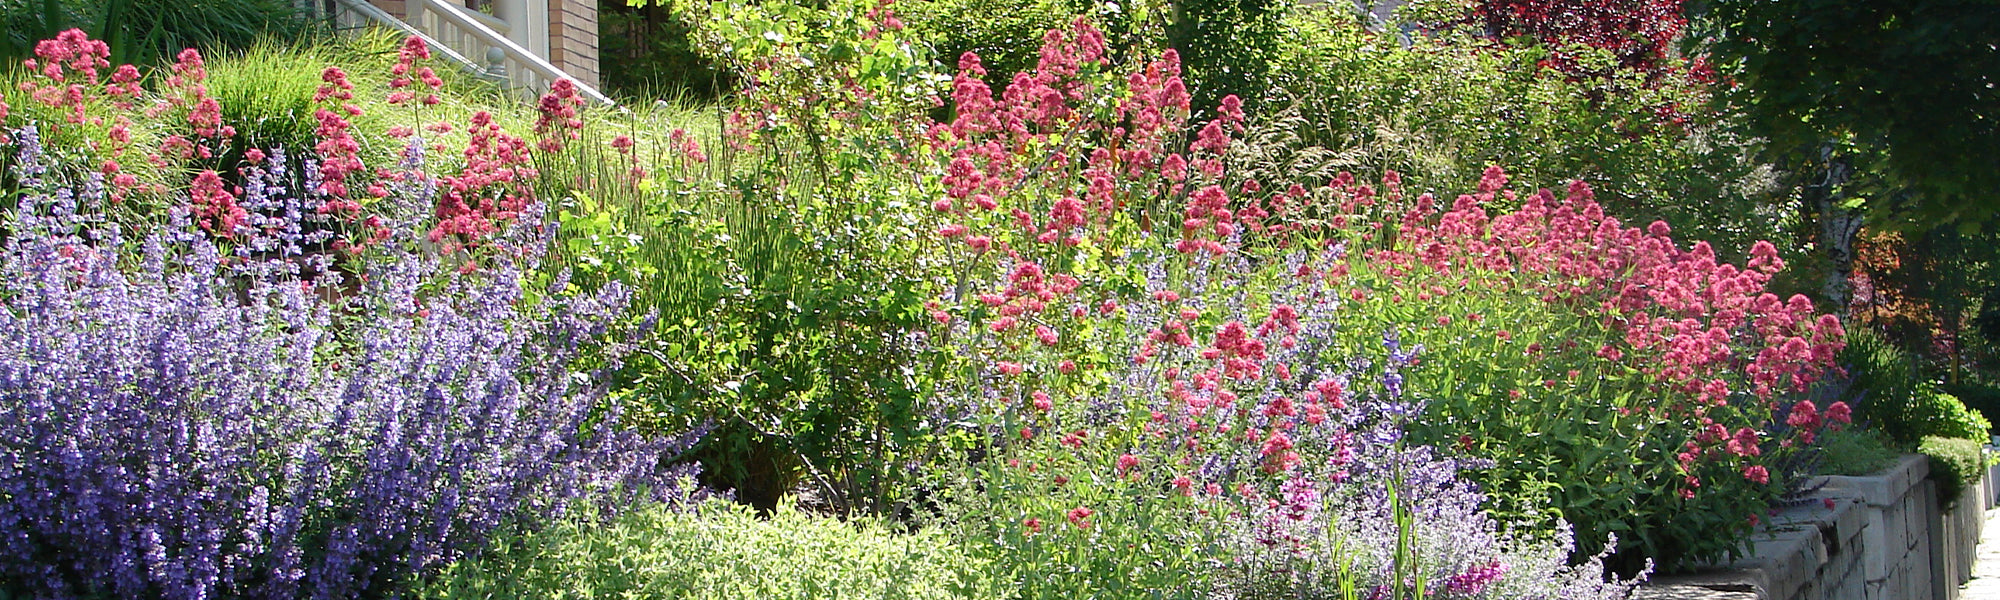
<point x="1882" y="488"/>
<point x="1713" y="585"/>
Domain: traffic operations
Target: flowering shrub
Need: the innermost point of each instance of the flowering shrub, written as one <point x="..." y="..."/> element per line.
<point x="817" y="72"/>
<point x="1688" y="352"/>
<point x="777" y="253"/>
<point x="1567" y="343"/>
<point x="1135" y="359"/>
<point x="1249" y="450"/>
<point x="1153" y="375"/>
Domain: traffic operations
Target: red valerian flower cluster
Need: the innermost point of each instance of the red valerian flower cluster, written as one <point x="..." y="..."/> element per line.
<point x="1705" y="330"/>
<point x="339" y="152"/>
<point x="215" y="208"/>
<point x="413" y="49"/>
<point x="1684" y="309"/>
<point x="71" y="53"/>
<point x="559" y="122"/>
<point x="70" y="67"/>
<point x="490" y="190"/>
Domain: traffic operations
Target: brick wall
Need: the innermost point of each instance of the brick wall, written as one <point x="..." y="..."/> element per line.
<point x="573" y="38"/>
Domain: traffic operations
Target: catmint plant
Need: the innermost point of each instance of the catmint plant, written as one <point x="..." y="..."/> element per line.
<point x="191" y="415"/>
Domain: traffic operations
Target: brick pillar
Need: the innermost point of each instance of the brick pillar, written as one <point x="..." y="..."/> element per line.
<point x="573" y="38"/>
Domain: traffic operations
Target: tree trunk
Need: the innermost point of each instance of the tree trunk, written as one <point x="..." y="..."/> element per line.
<point x="1838" y="225"/>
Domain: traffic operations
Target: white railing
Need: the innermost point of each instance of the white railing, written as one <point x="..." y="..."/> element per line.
<point x="476" y="42"/>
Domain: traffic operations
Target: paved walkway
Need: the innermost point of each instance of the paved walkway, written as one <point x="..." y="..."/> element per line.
<point x="1985" y="584"/>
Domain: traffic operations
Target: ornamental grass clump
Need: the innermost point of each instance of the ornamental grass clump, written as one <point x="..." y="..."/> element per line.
<point x="212" y="409"/>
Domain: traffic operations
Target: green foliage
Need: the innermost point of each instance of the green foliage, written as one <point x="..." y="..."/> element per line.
<point x="1946" y="416"/>
<point x="1881" y="372"/>
<point x="1444" y="105"/>
<point x="720" y="551"/>
<point x="1897" y="399"/>
<point x="266" y="92"/>
<point x="1906" y="86"/>
<point x="779" y="269"/>
<point x="1854" y="451"/>
<point x="1143" y="542"/>
<point x="648" y="52"/>
<point x="150" y="31"/>
<point x="1227" y="47"/>
<point x="1980" y="395"/>
<point x="1956" y="464"/>
<point x="1006" y="34"/>
<point x="775" y="323"/>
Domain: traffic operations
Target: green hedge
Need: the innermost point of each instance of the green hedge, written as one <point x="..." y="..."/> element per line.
<point x="1955" y="464"/>
<point x="1981" y="396"/>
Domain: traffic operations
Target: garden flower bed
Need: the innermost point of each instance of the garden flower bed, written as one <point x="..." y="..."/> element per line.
<point x="277" y="327"/>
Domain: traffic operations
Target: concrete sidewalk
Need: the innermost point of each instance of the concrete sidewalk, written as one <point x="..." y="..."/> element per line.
<point x="1985" y="583"/>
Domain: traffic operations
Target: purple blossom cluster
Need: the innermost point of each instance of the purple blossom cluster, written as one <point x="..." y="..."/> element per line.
<point x="184" y="420"/>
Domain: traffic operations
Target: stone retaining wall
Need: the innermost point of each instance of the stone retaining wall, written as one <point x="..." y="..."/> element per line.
<point x="1883" y="537"/>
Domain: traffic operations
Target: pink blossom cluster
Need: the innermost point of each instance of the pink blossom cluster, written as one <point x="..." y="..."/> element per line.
<point x="1695" y="321"/>
<point x="186" y="89"/>
<point x="559" y="121"/>
<point x="685" y="146"/>
<point x="215" y="207"/>
<point x="339" y="151"/>
<point x="490" y="190"/>
<point x="487" y="190"/>
<point x="885" y="19"/>
<point x="1027" y="183"/>
<point x="1028" y="178"/>
<point x="69" y="68"/>
<point x="414" y="49"/>
<point x="1100" y="170"/>
<point x="70" y="53"/>
<point x="1709" y="333"/>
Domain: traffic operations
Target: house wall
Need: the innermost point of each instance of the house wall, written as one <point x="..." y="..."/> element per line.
<point x="573" y="38"/>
